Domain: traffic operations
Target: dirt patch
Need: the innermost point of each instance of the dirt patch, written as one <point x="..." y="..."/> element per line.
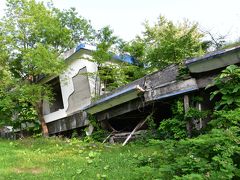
<point x="28" y="170"/>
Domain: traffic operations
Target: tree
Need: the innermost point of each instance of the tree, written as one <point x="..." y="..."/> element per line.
<point x="112" y="74"/>
<point x="35" y="36"/>
<point x="167" y="43"/>
<point x="216" y="41"/>
<point x="80" y="28"/>
<point x="136" y="48"/>
<point x="228" y="88"/>
<point x="105" y="41"/>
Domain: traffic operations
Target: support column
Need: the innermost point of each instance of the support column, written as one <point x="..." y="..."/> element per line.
<point x="186" y="108"/>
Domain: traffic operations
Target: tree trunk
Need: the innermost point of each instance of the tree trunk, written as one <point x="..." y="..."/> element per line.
<point x="44" y="127"/>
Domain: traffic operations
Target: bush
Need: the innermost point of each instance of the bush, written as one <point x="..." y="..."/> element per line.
<point x="172" y="128"/>
<point x="175" y="127"/>
<point x="211" y="156"/>
<point x="98" y="133"/>
<point x="226" y="119"/>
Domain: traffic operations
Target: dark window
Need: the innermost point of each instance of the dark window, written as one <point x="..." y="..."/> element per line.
<point x="57" y="102"/>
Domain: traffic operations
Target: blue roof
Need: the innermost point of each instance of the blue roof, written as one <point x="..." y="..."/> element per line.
<point x="122" y="57"/>
<point x="80" y="46"/>
<point x="86" y="47"/>
<point x="125" y="58"/>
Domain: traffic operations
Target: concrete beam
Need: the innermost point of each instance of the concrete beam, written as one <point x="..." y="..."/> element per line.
<point x="74" y="121"/>
<point x="121" y="109"/>
<point x="171" y="89"/>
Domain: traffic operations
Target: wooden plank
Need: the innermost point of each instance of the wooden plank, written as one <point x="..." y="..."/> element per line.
<point x="108" y="137"/>
<point x="139" y="125"/>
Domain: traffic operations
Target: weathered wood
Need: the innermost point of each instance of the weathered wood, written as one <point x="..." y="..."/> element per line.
<point x="127" y="133"/>
<point x="121" y="137"/>
<point x="186" y="103"/>
<point x="186" y="108"/>
<point x="200" y="120"/>
<point x="108" y="137"/>
<point x="204" y="81"/>
<point x="139" y="125"/>
<point x="157" y="79"/>
<point x="214" y="60"/>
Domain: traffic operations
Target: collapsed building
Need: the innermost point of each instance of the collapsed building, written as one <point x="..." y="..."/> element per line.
<point x="125" y="108"/>
<point x="75" y="89"/>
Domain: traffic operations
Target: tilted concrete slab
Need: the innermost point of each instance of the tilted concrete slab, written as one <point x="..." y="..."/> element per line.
<point x="171" y="89"/>
<point x="115" y="99"/>
<point x="215" y="60"/>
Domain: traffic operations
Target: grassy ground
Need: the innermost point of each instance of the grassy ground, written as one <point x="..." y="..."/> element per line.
<point x="69" y="159"/>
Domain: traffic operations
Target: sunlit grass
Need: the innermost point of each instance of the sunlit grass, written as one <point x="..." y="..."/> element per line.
<point x="55" y="158"/>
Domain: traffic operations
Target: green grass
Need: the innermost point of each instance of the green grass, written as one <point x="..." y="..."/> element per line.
<point x="214" y="155"/>
<point x="55" y="158"/>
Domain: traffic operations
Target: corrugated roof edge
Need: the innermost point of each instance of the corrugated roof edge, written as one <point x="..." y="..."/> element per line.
<point x="211" y="55"/>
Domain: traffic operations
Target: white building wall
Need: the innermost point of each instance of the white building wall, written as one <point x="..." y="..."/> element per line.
<point x="67" y="87"/>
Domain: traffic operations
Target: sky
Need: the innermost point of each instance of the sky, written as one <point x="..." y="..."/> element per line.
<point x="126" y="17"/>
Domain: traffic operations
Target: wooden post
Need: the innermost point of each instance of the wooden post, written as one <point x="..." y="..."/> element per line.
<point x="186" y="108"/>
<point x="186" y="103"/>
<point x="200" y="120"/>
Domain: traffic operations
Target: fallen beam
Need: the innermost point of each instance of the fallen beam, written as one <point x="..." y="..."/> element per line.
<point x="139" y="125"/>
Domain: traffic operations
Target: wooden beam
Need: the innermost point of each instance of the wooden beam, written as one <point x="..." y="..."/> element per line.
<point x="108" y="137"/>
<point x="139" y="125"/>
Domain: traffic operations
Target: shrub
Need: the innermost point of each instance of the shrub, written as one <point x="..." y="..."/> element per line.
<point x="211" y="156"/>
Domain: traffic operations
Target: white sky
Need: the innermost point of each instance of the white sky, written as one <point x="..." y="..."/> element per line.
<point x="126" y="16"/>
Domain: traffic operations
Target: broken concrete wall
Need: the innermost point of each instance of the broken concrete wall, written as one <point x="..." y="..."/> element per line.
<point x="81" y="95"/>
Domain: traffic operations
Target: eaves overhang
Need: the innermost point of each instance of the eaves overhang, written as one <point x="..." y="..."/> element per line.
<point x="114" y="99"/>
<point x="215" y="60"/>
